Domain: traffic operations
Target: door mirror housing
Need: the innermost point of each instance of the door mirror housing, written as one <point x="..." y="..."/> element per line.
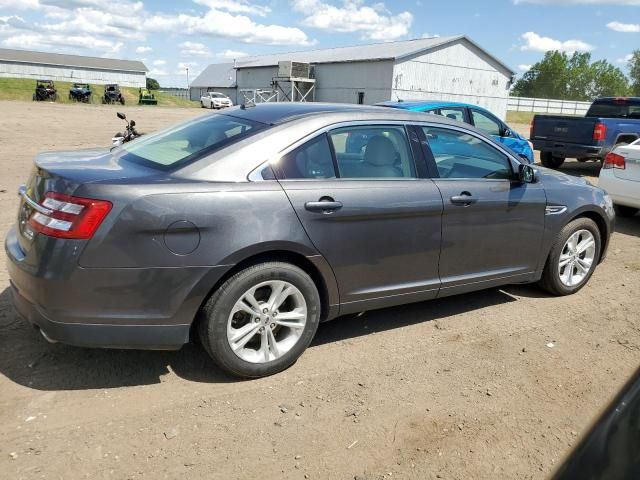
<point x="528" y="174"/>
<point x="505" y="131"/>
<point x="121" y="116"/>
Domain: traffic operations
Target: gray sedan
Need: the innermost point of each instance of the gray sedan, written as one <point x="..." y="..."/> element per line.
<point x="249" y="227"/>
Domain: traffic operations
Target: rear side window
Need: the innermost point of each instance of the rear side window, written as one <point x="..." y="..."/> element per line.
<point x="311" y="160"/>
<point x="615" y="108"/>
<point x="372" y="152"/>
<point x="189" y="140"/>
<point x="453" y="113"/>
<point x="460" y="155"/>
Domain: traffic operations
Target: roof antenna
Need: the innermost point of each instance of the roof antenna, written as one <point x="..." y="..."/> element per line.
<point x="399" y="99"/>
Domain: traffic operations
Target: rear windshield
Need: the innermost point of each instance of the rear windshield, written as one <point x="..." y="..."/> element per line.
<point x="615" y="108"/>
<point x="187" y="141"/>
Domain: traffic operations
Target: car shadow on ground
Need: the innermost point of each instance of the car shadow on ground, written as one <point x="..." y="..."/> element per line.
<point x="28" y="360"/>
<point x="628" y="225"/>
<point x="580" y="169"/>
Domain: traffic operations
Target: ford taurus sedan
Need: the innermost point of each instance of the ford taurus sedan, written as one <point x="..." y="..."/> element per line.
<point x="247" y="228"/>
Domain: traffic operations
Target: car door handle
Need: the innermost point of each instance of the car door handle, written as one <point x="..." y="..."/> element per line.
<point x="323" y="206"/>
<point x="465" y="198"/>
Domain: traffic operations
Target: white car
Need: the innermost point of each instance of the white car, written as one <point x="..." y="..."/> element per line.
<point x="215" y="100"/>
<point x="620" y="177"/>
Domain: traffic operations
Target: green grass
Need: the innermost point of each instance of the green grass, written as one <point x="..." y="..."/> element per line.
<point x="22" y="89"/>
<point x="520" y="117"/>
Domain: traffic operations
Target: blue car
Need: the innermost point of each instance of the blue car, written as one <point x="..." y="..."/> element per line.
<point x="477" y="116"/>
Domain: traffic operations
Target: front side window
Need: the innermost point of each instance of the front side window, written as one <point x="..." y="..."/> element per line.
<point x="189" y="140"/>
<point x="460" y="155"/>
<point x="485" y="123"/>
<point x="372" y="152"/>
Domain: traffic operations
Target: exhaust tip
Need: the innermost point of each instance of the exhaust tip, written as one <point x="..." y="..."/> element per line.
<point x="47" y="337"/>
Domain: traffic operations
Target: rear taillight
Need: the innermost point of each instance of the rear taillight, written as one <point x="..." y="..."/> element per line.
<point x="531" y="128"/>
<point x="69" y="217"/>
<point x="613" y="160"/>
<point x="599" y="131"/>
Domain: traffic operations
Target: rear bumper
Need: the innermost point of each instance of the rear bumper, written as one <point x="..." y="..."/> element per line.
<point x="150" y="308"/>
<point x="148" y="337"/>
<point x="622" y="191"/>
<point x="570" y="150"/>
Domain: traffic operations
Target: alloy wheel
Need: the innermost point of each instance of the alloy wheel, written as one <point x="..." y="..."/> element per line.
<point x="267" y="321"/>
<point x="577" y="258"/>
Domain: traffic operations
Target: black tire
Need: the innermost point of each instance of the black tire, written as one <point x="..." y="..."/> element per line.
<point x="212" y="324"/>
<point x="201" y="104"/>
<point x="550" y="161"/>
<point x="121" y="100"/>
<point x="34" y="98"/>
<point x="550" y="277"/>
<point x="625" y="211"/>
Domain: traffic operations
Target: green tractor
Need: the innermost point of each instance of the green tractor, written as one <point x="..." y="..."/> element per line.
<point x="145" y="97"/>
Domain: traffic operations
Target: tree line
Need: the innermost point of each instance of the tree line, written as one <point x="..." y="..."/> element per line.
<point x="575" y="77"/>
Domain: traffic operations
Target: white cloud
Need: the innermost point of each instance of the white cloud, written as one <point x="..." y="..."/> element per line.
<point x="232" y="54"/>
<point x="194" y="48"/>
<point x="524" y="67"/>
<point x="240" y="6"/>
<point x="430" y="35"/>
<point x="158" y="63"/>
<point x="225" y="25"/>
<point x="374" y="21"/>
<point x="157" y="72"/>
<point x="624" y="27"/>
<point x="580" y="2"/>
<point x="40" y="41"/>
<point x="143" y="49"/>
<point x="18" y="4"/>
<point x="537" y="43"/>
<point x="626" y="59"/>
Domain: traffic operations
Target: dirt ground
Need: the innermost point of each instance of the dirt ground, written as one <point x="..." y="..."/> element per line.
<point x="459" y="388"/>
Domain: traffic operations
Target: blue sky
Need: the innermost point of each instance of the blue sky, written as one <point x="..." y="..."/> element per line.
<point x="171" y="36"/>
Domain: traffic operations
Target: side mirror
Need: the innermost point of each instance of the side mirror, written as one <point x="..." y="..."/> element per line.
<point x="121" y="116"/>
<point x="528" y="174"/>
<point x="505" y="132"/>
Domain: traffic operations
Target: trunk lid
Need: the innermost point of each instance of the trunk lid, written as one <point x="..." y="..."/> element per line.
<point x="631" y="154"/>
<point x="563" y="129"/>
<point x="65" y="172"/>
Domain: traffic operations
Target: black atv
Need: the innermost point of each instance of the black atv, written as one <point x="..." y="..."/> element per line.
<point x="80" y="92"/>
<point x="112" y="94"/>
<point x="45" y="91"/>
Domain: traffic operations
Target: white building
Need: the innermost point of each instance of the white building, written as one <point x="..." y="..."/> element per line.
<point x="440" y="68"/>
<point x="71" y="68"/>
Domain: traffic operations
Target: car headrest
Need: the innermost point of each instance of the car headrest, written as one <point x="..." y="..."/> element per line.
<point x="452" y="116"/>
<point x="380" y="151"/>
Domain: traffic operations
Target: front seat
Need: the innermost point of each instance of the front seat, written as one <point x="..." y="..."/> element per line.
<point x="380" y="158"/>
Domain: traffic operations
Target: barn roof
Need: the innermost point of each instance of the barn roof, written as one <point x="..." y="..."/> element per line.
<point x="221" y="75"/>
<point x="79" y="61"/>
<point x="358" y="53"/>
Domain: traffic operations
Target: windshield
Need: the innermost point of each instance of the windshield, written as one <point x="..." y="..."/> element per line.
<point x="218" y="95"/>
<point x="187" y="141"/>
<point x="615" y="108"/>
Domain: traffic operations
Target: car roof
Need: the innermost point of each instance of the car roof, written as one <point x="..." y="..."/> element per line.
<point x="283" y="112"/>
<point x="427" y="104"/>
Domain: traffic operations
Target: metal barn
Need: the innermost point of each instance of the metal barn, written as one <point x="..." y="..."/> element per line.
<point x="218" y="77"/>
<point x="440" y="68"/>
<point x="71" y="68"/>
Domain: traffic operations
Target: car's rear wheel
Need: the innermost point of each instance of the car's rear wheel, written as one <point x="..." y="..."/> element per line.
<point x="261" y="319"/>
<point x="625" y="211"/>
<point x="573" y="257"/>
<point x="550" y="161"/>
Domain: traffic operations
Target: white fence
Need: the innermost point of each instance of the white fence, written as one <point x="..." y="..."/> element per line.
<point x="545" y="105"/>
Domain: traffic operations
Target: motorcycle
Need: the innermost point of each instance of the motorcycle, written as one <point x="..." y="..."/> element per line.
<point x="130" y="132"/>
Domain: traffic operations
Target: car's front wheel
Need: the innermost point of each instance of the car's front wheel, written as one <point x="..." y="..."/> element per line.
<point x="573" y="257"/>
<point x="261" y="319"/>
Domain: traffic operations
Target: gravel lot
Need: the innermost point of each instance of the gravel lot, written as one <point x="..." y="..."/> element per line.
<point x="458" y="388"/>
